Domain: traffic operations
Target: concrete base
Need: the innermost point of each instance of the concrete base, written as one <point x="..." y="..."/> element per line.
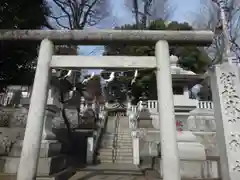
<point x="189" y="147"/>
<point x="49" y="148"/>
<point x="63" y="175"/>
<point x="46" y="166"/>
<point x="195" y="169"/>
<point x="50" y="162"/>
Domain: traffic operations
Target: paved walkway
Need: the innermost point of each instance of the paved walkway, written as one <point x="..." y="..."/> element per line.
<point x="110" y="171"/>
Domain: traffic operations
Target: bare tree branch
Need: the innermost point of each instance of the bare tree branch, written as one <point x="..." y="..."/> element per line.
<point x="61" y="4"/>
<point x="88" y="13"/>
<point x="210" y="19"/>
<point x="144" y="10"/>
<point x="58" y="19"/>
<point x="77" y="14"/>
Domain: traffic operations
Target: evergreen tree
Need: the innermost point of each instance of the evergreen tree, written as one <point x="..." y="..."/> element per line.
<point x="190" y="57"/>
<point x="17" y="59"/>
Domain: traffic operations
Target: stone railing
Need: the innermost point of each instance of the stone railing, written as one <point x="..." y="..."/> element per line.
<point x="152" y="105"/>
<point x="205" y="104"/>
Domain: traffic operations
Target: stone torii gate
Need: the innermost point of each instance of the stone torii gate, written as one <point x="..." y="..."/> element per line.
<point x="46" y="61"/>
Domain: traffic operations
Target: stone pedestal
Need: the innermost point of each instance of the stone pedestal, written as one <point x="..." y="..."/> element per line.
<point x="193" y="162"/>
<point x="50" y="113"/>
<point x="51" y="162"/>
<point x="48" y="148"/>
<point x="189" y="147"/>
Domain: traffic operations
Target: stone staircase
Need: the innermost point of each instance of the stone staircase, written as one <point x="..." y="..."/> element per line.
<point x="122" y="153"/>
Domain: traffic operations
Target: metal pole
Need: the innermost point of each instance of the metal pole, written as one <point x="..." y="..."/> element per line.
<point x="27" y="169"/>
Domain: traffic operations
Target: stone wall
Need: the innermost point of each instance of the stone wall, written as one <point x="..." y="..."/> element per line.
<point x="16" y="118"/>
<point x="13" y="123"/>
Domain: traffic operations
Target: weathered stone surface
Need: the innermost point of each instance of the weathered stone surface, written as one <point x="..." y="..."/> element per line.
<point x="13" y="117"/>
<point x="201" y="120"/>
<point x="210" y="143"/>
<point x="8" y="137"/>
<point x="103" y="37"/>
<point x="188" y="145"/>
<point x="17" y="117"/>
<point x="62" y="175"/>
<point x="49" y="148"/>
<point x="109" y="171"/>
<point x="225" y="83"/>
<point x="85" y="122"/>
<point x="46" y="166"/>
<point x="204" y="170"/>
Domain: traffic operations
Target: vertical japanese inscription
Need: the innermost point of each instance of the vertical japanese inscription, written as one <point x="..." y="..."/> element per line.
<point x="231" y="100"/>
<point x="230" y="97"/>
<point x="234" y="143"/>
<point x="236" y="166"/>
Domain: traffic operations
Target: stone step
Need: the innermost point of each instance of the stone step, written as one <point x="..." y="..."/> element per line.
<point x="118" y="137"/>
<point x="116" y="140"/>
<point x="119" y="153"/>
<point x="127" y="158"/>
<point x="118" y="150"/>
<point x="129" y="143"/>
<point x="120" y="143"/>
<point x="117" y="161"/>
<point x="46" y="166"/>
<point x="128" y="134"/>
<point x="123" y="146"/>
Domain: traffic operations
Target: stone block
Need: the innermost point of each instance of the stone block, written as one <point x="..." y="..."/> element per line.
<point x="8" y="137"/>
<point x="13" y="133"/>
<point x="208" y="139"/>
<point x="62" y="175"/>
<point x="13" y="117"/>
<point x="46" y="166"/>
<point x="195" y="169"/>
<point x="48" y="148"/>
<point x="188" y="145"/>
<point x="191" y="151"/>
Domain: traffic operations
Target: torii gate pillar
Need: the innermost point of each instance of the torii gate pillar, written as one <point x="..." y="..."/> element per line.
<point x="35" y="120"/>
<point x="169" y="149"/>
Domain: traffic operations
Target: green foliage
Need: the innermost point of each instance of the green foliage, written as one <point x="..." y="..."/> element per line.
<point x="190" y="57"/>
<point x="17" y="58"/>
